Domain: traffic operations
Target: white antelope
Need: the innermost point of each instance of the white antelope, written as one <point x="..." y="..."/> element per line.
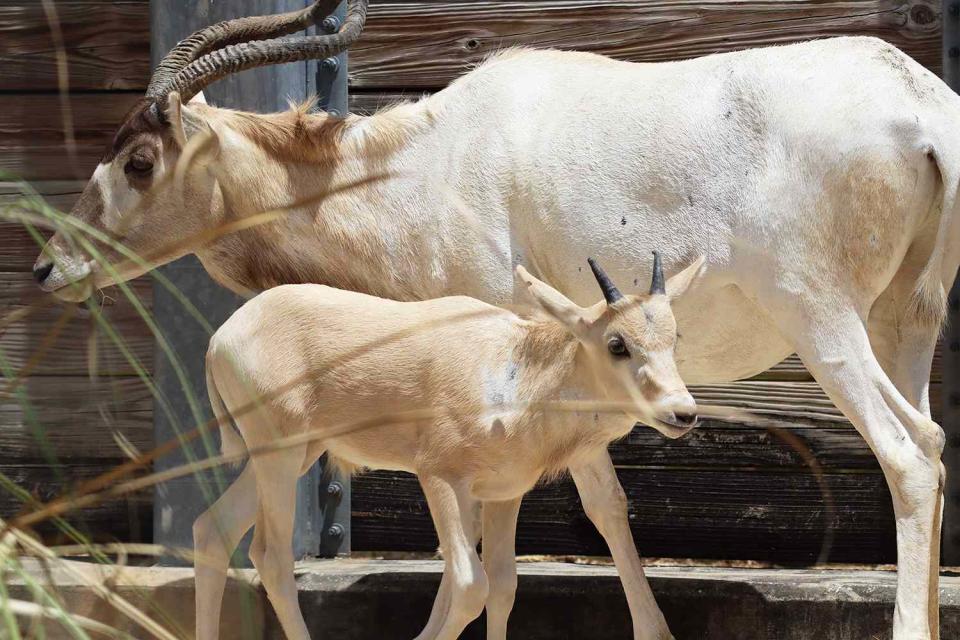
<point x="306" y="360"/>
<point x="819" y="179"/>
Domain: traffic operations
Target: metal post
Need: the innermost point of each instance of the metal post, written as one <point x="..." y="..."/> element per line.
<point x="179" y="502"/>
<point x="950" y="550"/>
<point x="334" y="488"/>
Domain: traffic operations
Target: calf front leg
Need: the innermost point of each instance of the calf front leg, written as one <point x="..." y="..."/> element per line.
<point x="441" y="603"/>
<point x="454" y="515"/>
<point x="500" y="563"/>
<point x="606" y="505"/>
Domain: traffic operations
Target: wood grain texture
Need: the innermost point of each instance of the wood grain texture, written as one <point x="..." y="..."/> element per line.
<point x="77" y="417"/>
<point x="32" y="138"/>
<point x="427" y="44"/>
<point x="106" y="44"/>
<point x="757" y="515"/>
<point x="125" y="519"/>
<point x="83" y="346"/>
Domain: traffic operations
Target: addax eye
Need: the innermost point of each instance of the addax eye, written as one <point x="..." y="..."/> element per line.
<point x="139" y="166"/>
<point x="617" y="347"/>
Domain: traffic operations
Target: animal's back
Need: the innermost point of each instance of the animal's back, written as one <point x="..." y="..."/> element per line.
<point x="823" y="156"/>
<point x="305" y="345"/>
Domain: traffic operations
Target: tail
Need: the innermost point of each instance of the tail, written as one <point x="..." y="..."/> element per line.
<point x="231" y="442"/>
<point x="928" y="304"/>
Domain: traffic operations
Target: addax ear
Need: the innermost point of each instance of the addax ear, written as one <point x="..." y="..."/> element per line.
<point x="678" y="284"/>
<point x="183" y="121"/>
<point x="572" y="316"/>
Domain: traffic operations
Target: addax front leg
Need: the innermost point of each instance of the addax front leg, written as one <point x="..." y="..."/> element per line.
<point x="606" y="505"/>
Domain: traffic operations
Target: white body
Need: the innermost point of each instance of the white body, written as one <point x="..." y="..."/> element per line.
<point x="819" y="179"/>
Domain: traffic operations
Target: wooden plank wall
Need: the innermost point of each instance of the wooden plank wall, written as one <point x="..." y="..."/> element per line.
<point x="83" y="392"/>
<point x="723" y="492"/>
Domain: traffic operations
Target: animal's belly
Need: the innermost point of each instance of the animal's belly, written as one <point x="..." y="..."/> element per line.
<point x="724" y="336"/>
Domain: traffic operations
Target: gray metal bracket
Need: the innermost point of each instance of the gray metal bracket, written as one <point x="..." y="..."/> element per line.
<point x="333" y="488"/>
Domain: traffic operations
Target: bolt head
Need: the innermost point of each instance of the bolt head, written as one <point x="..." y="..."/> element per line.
<point x="334" y="490"/>
<point x="331" y="64"/>
<point x="331" y="24"/>
<point x="954" y="52"/>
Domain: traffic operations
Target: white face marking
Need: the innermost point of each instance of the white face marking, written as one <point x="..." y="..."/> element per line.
<point x="118" y="197"/>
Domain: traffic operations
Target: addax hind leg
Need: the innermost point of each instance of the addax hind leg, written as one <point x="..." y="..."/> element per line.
<point x="905" y="349"/>
<point x="832" y="341"/>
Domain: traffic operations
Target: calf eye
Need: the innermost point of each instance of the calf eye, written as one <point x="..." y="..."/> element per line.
<point x="617" y="347"/>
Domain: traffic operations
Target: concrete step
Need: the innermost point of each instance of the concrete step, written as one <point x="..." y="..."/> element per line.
<point x="386" y="600"/>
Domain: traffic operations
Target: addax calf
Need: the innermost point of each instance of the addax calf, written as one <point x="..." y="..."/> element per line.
<point x="302" y="359"/>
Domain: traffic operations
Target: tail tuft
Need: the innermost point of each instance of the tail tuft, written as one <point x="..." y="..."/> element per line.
<point x="928" y="303"/>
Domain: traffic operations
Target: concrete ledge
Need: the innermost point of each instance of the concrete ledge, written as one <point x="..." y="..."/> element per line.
<point x="386" y="600"/>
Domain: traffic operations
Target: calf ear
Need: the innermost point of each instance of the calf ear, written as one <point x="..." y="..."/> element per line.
<point x="574" y="317"/>
<point x="678" y="284"/>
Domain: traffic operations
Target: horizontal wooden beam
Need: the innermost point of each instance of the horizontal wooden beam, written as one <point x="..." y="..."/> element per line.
<point x="106" y="45"/>
<point x="428" y="44"/>
<point x="759" y="515"/>
<point x="82" y="346"/>
<point x="126" y="519"/>
<point x="34" y="141"/>
<point x="74" y="418"/>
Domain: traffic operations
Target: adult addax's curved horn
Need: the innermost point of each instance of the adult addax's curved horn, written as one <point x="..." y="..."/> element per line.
<point x="234" y="58"/>
<point x="610" y="292"/>
<point x="657" y="284"/>
<point x="230" y="32"/>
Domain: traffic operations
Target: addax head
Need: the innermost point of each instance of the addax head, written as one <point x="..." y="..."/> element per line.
<point x="155" y="189"/>
<point x="630" y="341"/>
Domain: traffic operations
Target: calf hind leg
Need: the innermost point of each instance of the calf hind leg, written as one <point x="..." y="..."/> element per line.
<point x="834" y="346"/>
<point x="216" y="533"/>
<point x="272" y="549"/>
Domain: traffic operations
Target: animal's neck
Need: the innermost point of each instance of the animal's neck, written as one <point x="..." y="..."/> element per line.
<point x="342" y="220"/>
<point x="571" y="433"/>
<point x="546" y="347"/>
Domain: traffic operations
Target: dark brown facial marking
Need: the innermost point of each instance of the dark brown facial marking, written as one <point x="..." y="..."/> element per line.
<point x="140" y="119"/>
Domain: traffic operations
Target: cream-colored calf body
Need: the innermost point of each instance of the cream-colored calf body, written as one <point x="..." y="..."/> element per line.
<point x="308" y="360"/>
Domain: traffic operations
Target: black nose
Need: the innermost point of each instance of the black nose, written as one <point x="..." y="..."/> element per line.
<point x="40" y="273"/>
<point x="686" y="419"/>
